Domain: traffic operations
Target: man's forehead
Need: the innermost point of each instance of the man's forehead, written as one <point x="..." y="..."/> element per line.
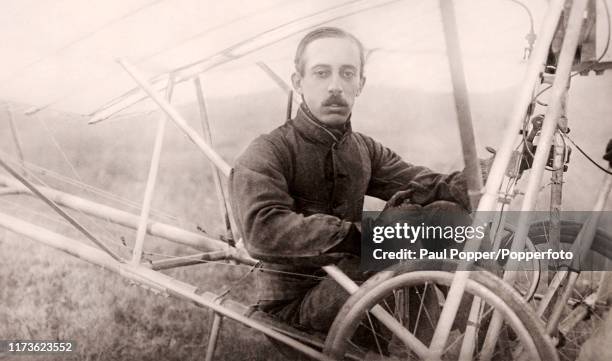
<point x="332" y="51"/>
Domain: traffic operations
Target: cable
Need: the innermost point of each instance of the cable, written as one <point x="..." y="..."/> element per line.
<point x="587" y="156"/>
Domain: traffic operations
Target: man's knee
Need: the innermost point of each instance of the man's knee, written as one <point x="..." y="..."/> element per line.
<point x="321" y="305"/>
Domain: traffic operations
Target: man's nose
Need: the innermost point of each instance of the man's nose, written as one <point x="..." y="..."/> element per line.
<point x="335" y="84"/>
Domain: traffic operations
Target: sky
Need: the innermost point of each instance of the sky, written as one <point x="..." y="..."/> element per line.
<point x="63" y="53"/>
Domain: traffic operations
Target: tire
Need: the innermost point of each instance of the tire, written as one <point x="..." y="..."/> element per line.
<point x="570" y="340"/>
<point x="525" y="326"/>
<point x="602" y="244"/>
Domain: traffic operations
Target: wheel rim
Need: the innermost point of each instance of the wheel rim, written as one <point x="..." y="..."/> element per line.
<point x="338" y="344"/>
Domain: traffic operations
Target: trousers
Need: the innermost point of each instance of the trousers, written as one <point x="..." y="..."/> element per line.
<point x="317" y="308"/>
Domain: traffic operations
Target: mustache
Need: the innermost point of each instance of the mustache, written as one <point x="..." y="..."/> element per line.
<point x="335" y="99"/>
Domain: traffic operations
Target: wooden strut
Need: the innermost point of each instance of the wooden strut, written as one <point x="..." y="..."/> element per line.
<point x="215" y="328"/>
<point x="556" y="187"/>
<point x="489" y="199"/>
<point x="462" y="103"/>
<point x="221" y="198"/>
<point x="151" y="180"/>
<point x="580" y="248"/>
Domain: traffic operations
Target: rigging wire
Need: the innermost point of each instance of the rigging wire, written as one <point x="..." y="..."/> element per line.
<point x="586" y="155"/>
<point x="229" y="56"/>
<point x="112" y="238"/>
<point x="104" y="227"/>
<point x="99" y="192"/>
<point x="174" y="46"/>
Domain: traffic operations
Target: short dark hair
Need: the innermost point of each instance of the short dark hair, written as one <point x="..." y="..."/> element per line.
<point x="321" y="33"/>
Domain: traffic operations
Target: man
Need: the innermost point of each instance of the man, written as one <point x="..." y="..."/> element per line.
<point x="297" y="193"/>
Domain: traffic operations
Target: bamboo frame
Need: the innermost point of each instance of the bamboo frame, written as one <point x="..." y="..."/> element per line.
<point x="126" y="219"/>
<point x="497" y="173"/>
<point x="462" y="102"/>
<point x="176" y="118"/>
<point x="76" y="224"/>
<point x="221" y="198"/>
<point x="155" y="281"/>
<point x="141" y="231"/>
<point x="581" y="246"/>
<point x="549" y="127"/>
<point x="214" y="336"/>
<point x="166" y="284"/>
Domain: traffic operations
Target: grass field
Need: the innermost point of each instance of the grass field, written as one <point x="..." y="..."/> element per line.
<point x="45" y="294"/>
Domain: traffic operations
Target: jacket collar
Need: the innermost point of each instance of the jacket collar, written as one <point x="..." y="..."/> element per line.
<point x="313" y="129"/>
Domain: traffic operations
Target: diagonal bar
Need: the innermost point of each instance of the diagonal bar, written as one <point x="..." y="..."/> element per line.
<point x="57" y="209"/>
<point x="176" y="118"/>
<point x="380" y="313"/>
<point x="277" y="79"/>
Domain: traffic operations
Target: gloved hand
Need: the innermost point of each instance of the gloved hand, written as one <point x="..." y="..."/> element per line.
<point x="608" y="155"/>
<point x="399" y="199"/>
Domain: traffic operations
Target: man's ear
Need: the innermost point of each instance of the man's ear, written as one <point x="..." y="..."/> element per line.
<point x="296" y="80"/>
<point x="362" y="82"/>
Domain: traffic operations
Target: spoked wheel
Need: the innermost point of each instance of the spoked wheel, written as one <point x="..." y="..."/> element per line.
<point x="414" y="296"/>
<point x="583" y="314"/>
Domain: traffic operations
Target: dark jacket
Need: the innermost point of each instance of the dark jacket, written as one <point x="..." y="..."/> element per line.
<point x="296" y="191"/>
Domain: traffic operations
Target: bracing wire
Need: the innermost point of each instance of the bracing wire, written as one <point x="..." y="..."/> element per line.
<point x="586" y="155"/>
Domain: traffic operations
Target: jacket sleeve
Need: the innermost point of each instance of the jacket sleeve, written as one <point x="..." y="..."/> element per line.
<point x="265" y="212"/>
<point x="391" y="174"/>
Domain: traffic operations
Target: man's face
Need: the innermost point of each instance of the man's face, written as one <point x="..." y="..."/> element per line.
<point x="331" y="79"/>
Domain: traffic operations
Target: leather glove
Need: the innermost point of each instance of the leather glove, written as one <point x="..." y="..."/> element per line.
<point x="608" y="155"/>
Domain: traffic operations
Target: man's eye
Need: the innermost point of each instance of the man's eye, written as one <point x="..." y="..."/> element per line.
<point x="321" y="73"/>
<point x="348" y="74"/>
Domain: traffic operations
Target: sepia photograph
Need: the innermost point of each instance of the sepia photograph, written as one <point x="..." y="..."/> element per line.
<point x="306" y="180"/>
